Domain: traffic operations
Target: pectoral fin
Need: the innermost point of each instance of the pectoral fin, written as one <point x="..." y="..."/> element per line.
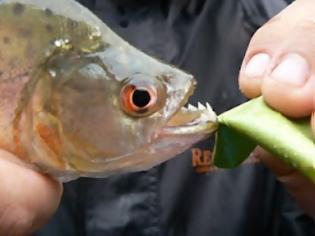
<point x="48" y="129"/>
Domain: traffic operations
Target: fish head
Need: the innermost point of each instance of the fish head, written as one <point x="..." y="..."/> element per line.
<point x="121" y="110"/>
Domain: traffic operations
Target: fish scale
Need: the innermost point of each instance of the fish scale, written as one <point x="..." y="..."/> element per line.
<point x="25" y="43"/>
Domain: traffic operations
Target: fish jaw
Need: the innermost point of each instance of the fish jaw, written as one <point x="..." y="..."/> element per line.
<point x="186" y="127"/>
<point x="186" y="124"/>
<point x="189" y="125"/>
<point x="191" y="120"/>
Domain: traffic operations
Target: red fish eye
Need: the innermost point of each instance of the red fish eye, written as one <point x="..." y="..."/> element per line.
<point x="138" y="100"/>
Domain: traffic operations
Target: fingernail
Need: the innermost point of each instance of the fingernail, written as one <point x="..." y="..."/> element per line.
<point x="293" y="70"/>
<point x="257" y="65"/>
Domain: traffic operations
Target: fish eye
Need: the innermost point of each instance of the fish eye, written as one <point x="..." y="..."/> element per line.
<point x="141" y="98"/>
<point x="138" y="100"/>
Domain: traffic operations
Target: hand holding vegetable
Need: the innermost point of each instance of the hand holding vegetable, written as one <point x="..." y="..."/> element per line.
<point x="280" y="66"/>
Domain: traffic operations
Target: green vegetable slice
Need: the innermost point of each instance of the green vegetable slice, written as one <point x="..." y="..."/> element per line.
<point x="254" y="123"/>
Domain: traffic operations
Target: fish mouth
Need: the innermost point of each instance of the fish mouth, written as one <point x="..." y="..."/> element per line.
<point x="192" y="120"/>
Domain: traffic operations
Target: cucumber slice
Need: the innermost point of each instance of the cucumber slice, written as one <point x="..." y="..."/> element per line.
<point x="255" y="123"/>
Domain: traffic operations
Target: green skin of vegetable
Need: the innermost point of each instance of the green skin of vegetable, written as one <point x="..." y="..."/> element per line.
<point x="254" y="123"/>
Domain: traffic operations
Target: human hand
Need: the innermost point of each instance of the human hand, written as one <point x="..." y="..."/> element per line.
<point x="27" y="198"/>
<point x="280" y="65"/>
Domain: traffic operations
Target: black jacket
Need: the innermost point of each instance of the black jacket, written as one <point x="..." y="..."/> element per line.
<point x="186" y="196"/>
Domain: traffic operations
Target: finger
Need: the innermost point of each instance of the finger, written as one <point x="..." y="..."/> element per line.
<point x="252" y="74"/>
<point x="298" y="186"/>
<point x="279" y="63"/>
<point x="278" y="167"/>
<point x="28" y="198"/>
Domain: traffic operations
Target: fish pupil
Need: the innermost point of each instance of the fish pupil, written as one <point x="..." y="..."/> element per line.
<point x="141" y="98"/>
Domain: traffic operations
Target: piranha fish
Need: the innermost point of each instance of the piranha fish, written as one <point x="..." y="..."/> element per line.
<point x="77" y="100"/>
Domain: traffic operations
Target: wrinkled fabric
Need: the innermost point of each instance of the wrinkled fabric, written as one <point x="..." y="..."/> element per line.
<point x="208" y="38"/>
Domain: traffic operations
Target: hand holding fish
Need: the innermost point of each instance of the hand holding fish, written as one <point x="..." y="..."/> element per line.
<point x="28" y="198"/>
<point x="279" y="65"/>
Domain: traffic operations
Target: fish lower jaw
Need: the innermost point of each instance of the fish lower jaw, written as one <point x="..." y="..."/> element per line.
<point x="192" y="120"/>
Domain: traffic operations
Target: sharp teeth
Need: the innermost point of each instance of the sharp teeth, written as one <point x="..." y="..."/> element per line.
<point x="209" y="108"/>
<point x="192" y="108"/>
<point x="201" y="107"/>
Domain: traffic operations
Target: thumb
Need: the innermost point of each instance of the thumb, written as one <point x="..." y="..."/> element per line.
<point x="28" y="198"/>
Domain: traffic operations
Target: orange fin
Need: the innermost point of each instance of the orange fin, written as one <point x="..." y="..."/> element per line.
<point x="48" y="129"/>
<point x="50" y="137"/>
